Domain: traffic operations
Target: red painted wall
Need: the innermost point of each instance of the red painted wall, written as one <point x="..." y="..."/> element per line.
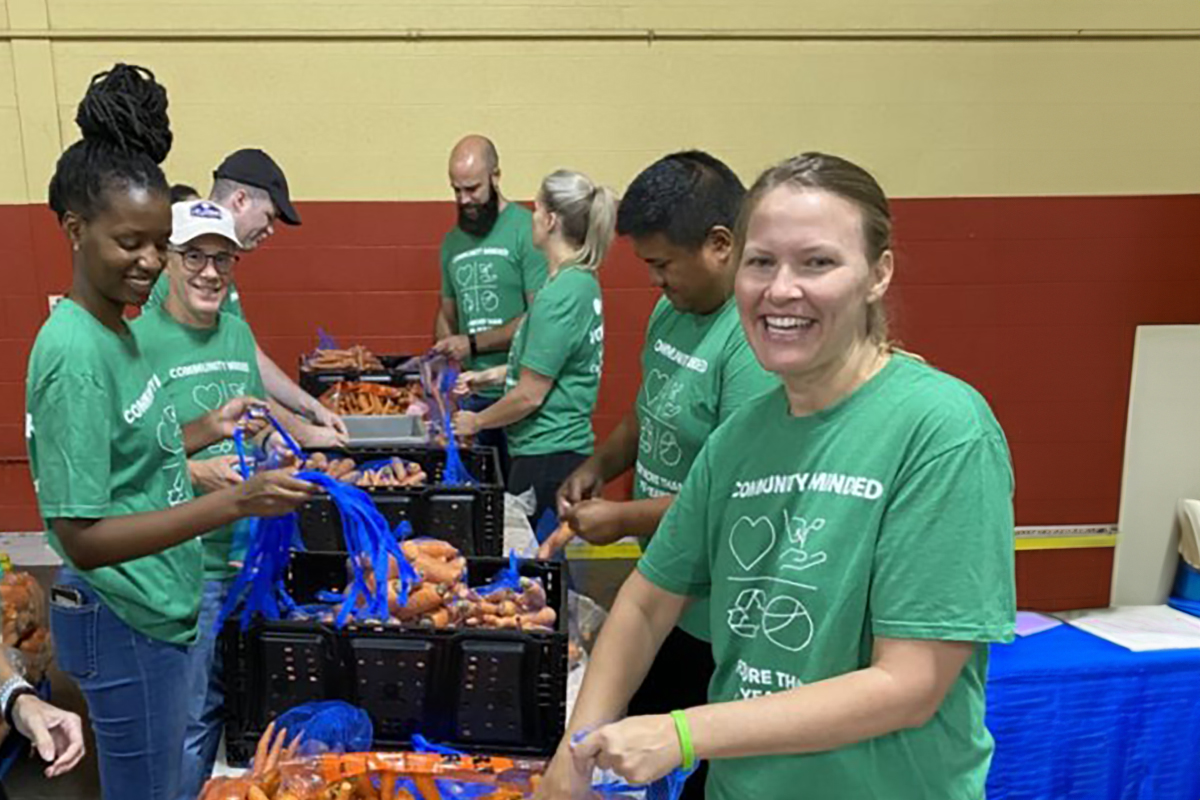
<point x="1032" y="300"/>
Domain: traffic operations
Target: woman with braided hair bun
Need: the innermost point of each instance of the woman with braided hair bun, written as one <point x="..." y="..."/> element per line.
<point x="108" y="456"/>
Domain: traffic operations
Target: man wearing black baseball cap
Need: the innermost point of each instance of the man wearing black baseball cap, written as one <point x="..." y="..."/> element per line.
<point x="254" y="189"/>
<point x="251" y="185"/>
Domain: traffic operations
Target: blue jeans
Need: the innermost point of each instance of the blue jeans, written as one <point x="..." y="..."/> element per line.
<point x="135" y="699"/>
<point x="206" y="697"/>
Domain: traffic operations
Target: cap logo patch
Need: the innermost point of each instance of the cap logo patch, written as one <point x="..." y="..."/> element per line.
<point x="206" y="210"/>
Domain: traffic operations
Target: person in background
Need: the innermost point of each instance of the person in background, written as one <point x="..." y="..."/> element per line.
<point x="852" y="529"/>
<point x="254" y="189"/>
<point x="697" y="370"/>
<point x="490" y="274"/>
<point x="182" y="193"/>
<point x="207" y="357"/>
<point x="554" y="365"/>
<point x="107" y="453"/>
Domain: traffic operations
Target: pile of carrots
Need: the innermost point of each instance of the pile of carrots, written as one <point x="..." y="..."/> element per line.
<point x="381" y="776"/>
<point x="395" y="473"/>
<point x="441" y="598"/>
<point x="363" y="398"/>
<point x="24" y="622"/>
<point x="355" y="358"/>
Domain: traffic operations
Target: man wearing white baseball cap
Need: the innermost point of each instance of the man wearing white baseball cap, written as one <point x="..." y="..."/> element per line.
<point x="205" y="356"/>
<point x="251" y="186"/>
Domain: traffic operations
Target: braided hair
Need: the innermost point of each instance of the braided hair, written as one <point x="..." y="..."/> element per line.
<point x="126" y="135"/>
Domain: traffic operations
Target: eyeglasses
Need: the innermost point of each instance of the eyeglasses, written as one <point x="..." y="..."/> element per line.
<point x="196" y="260"/>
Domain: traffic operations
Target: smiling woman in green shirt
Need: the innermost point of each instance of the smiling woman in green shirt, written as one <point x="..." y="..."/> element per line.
<point x="108" y="456"/>
<point x="553" y="371"/>
<point x="851" y="529"/>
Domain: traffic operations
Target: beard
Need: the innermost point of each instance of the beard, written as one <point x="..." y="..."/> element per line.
<point x="485" y="215"/>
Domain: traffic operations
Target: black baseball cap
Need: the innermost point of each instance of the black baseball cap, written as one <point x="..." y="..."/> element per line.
<point x="253" y="167"/>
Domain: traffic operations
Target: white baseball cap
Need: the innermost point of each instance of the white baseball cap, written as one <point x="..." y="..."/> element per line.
<point x="195" y="218"/>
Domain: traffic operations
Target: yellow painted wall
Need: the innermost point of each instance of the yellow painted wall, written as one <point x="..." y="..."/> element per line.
<point x="466" y="15"/>
<point x="12" y="166"/>
<point x="355" y="118"/>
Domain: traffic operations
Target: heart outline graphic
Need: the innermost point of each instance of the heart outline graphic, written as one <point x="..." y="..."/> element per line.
<point x="752" y="551"/>
<point x="465" y="275"/>
<point x="653" y="385"/>
<point x="203" y="393"/>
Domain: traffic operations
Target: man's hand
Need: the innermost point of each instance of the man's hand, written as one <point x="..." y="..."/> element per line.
<point x="584" y="483"/>
<point x="597" y="521"/>
<point x="457" y="347"/>
<point x="57" y="735"/>
<point x="213" y="474"/>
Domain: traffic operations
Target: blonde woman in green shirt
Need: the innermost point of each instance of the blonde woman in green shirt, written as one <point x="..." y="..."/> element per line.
<point x="852" y="530"/>
<point x="553" y="371"/>
<point x="108" y="456"/>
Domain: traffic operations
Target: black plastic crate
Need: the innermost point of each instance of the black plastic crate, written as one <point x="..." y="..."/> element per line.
<point x="476" y="690"/>
<point x="316" y="382"/>
<point x="469" y="517"/>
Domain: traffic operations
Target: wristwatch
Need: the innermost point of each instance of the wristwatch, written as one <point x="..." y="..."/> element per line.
<point x="474" y="346"/>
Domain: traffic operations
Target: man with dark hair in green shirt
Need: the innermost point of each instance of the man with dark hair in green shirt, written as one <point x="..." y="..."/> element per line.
<point x="697" y="369"/>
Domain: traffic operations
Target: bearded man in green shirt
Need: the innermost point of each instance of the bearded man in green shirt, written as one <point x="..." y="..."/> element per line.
<point x="490" y="273"/>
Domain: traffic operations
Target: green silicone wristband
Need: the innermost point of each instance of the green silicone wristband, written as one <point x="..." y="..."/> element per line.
<point x="684" y="731"/>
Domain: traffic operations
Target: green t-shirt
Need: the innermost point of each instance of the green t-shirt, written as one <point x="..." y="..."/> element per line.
<point x="104" y="441"/>
<point x="562" y="338"/>
<point x="203" y="368"/>
<point x="889" y="514"/>
<point x="696" y="371"/>
<point x="489" y="278"/>
<point x="232" y="304"/>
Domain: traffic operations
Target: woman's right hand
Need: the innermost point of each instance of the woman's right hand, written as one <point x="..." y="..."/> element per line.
<point x="465" y="383"/>
<point x="563" y="779"/>
<point x="273" y="493"/>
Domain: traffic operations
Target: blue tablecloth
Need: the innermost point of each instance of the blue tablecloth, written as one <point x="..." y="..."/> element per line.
<point x="1078" y="718"/>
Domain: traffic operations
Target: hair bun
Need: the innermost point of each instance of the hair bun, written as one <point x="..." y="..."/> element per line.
<point x="126" y="108"/>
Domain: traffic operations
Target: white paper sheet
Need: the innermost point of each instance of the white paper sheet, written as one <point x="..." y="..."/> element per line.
<point x="1031" y="622"/>
<point x="1139" y="628"/>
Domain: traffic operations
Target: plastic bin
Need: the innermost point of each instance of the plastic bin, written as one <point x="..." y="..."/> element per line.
<point x="470" y="517"/>
<point x="475" y="690"/>
<point x="390" y="430"/>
